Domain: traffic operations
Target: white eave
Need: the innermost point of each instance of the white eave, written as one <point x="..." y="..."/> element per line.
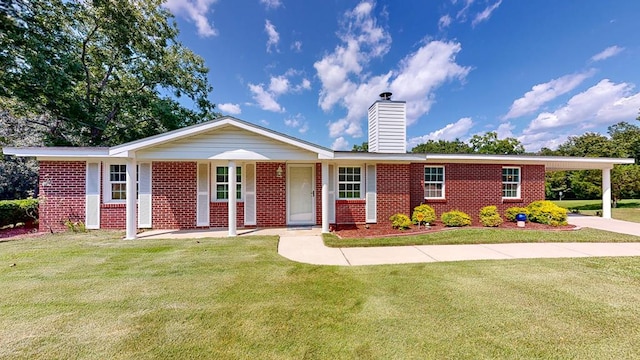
<point x="551" y="163"/>
<point x="370" y="156"/>
<point x="125" y="149"/>
<point x="65" y="153"/>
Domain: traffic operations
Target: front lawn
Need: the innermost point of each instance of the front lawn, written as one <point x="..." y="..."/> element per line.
<point x="627" y="210"/>
<point x="484" y="236"/>
<point x="94" y="296"/>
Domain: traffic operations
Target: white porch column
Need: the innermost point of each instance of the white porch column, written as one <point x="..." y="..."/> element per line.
<point x="131" y="211"/>
<point x="325" y="197"/>
<point x="606" y="193"/>
<point x="232" y="199"/>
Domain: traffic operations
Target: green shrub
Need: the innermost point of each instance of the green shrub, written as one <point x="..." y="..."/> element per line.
<point x="423" y="214"/>
<point x="511" y="213"/>
<point x="455" y="218"/>
<point x="18" y="211"/>
<point x="489" y="216"/>
<point x="400" y="221"/>
<point x="546" y="212"/>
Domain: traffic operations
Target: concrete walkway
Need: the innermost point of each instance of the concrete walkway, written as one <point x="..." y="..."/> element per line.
<point x="305" y="245"/>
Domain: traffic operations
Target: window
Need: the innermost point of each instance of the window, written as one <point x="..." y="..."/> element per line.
<point x="511" y="182"/>
<point x="115" y="184"/>
<point x="349" y="182"/>
<point x="118" y="181"/>
<point x="222" y="183"/>
<point x="434" y="182"/>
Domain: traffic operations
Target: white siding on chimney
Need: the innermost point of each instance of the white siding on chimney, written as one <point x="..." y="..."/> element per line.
<point x="388" y="127"/>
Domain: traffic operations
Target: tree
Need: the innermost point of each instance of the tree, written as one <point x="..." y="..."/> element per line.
<point x="589" y="144"/>
<point x="101" y="71"/>
<point x="443" y="147"/>
<point x="626" y="140"/>
<point x="490" y="144"/>
<point x="361" y="148"/>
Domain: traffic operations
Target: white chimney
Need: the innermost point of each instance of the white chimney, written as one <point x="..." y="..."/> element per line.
<point x="388" y="125"/>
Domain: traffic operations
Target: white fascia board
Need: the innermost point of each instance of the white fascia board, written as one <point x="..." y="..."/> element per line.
<point x="573" y="162"/>
<point x="211" y="125"/>
<point x="67" y="153"/>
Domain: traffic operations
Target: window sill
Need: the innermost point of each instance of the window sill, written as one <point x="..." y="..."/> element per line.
<point x="350" y="201"/>
<point x="435" y="200"/>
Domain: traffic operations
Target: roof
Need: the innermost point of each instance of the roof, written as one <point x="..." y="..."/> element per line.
<point x="129" y="149"/>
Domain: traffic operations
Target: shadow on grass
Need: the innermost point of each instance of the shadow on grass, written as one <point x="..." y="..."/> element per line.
<point x="598" y="206"/>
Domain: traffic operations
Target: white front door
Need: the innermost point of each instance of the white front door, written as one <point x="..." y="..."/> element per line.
<point x="301" y="194"/>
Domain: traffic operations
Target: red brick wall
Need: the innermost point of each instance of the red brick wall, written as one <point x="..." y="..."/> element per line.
<point x="469" y="187"/>
<point x="393" y="191"/>
<point x="113" y="216"/>
<point x="174" y="190"/>
<point x="219" y="214"/>
<point x="350" y="211"/>
<point x="62" y="186"/>
<point x="271" y="198"/>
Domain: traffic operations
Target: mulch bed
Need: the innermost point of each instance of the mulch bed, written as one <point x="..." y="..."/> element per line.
<point x="362" y="231"/>
<point x="17" y="232"/>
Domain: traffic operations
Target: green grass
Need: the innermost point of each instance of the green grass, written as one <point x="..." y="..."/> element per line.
<point x="483" y="236"/>
<point x="627" y="210"/>
<point x="94" y="296"/>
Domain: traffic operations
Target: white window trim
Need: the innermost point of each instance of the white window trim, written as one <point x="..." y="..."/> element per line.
<point x="362" y="179"/>
<point x="443" y="182"/>
<point x="106" y="183"/>
<point x="518" y="195"/>
<point x="214" y="183"/>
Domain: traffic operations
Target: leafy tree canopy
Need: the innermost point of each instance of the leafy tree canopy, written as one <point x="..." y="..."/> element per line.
<point x="443" y="147"/>
<point x="361" y="148"/>
<point x="100" y="72"/>
<point x="490" y="144"/>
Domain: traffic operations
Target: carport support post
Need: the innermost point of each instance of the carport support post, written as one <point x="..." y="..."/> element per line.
<point x="325" y="197"/>
<point x="606" y="193"/>
<point x="232" y="199"/>
<point x="130" y="209"/>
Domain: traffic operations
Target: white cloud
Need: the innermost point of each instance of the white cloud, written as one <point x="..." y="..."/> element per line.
<point x="536" y="141"/>
<point x="505" y="130"/>
<point x="274" y="37"/>
<point x="195" y="11"/>
<point x="462" y="14"/>
<point x="264" y="122"/>
<point x="605" y="103"/>
<point x="271" y="4"/>
<point x="297" y="46"/>
<point x="340" y="144"/>
<point x="607" y="53"/>
<point x="545" y="92"/>
<point x="297" y="122"/>
<point x="265" y="99"/>
<point x="444" y="22"/>
<point x="233" y="109"/>
<point x="305" y="84"/>
<point x="279" y="85"/>
<point x="486" y="13"/>
<point x="450" y="132"/>
<point x="344" y="83"/>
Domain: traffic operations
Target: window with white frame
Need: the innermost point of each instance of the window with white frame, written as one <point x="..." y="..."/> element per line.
<point x="434" y="182"/>
<point x="115" y="189"/>
<point x="511" y="182"/>
<point x="349" y="182"/>
<point x="222" y="183"/>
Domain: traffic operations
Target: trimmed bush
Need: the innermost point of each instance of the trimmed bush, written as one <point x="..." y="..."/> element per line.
<point x="400" y="221"/>
<point x="18" y="211"/>
<point x="455" y="218"/>
<point x="489" y="216"/>
<point x="546" y="212"/>
<point x="423" y="214"/>
<point x="511" y="213"/>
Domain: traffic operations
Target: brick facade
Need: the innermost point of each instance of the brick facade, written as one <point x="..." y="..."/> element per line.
<point x="173" y="195"/>
<point x="400" y="187"/>
<point x="271" y="195"/>
<point x="62" y="193"/>
<point x="393" y="191"/>
<point x="219" y="214"/>
<point x="470" y="187"/>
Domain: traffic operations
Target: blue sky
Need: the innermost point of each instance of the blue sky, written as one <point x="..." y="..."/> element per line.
<point x="539" y="70"/>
